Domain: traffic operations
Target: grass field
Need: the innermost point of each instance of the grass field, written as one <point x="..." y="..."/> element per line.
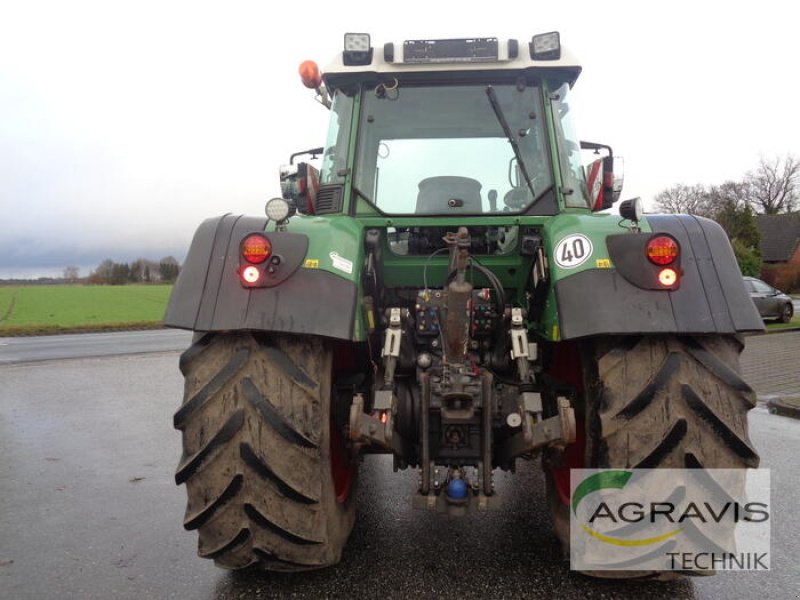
<point x="53" y="308"/>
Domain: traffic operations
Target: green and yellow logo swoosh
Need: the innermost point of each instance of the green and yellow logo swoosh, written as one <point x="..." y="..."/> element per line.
<point x="611" y="480"/>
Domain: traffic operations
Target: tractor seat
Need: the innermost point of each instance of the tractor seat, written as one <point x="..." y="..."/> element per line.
<point x="448" y="194"/>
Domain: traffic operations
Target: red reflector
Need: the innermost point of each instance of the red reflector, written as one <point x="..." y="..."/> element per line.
<point x="256" y="249"/>
<point x="662" y="250"/>
<point x="250" y="274"/>
<point x="667" y="277"/>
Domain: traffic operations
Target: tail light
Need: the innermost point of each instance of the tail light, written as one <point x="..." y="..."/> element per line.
<point x="250" y="274"/>
<point x="667" y="277"/>
<point x="649" y="261"/>
<point x="662" y="250"/>
<point x="256" y="248"/>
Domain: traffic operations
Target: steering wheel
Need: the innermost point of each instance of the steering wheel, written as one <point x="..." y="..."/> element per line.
<point x="517" y="198"/>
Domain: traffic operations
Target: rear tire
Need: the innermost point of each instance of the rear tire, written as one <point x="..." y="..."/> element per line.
<point x="670" y="402"/>
<point x="660" y="402"/>
<point x="261" y="468"/>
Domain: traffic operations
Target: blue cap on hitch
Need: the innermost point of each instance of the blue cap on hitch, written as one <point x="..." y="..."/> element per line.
<point x="457" y="489"/>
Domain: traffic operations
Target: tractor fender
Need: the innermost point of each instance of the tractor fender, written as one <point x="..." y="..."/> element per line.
<point x="711" y="297"/>
<point x="209" y="296"/>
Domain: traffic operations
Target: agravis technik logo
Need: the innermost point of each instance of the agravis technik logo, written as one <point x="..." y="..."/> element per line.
<point x="670" y="519"/>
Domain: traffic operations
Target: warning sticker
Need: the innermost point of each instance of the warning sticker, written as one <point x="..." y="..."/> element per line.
<point x="603" y="263"/>
<point x="311" y="263"/>
<point x="342" y="264"/>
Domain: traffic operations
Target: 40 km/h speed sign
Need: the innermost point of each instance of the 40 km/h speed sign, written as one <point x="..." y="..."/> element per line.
<point x="573" y="251"/>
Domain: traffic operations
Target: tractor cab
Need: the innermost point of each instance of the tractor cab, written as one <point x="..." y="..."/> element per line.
<point x="451" y="128"/>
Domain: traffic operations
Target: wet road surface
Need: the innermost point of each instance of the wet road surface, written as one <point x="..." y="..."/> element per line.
<point x="83" y="345"/>
<point x="89" y="509"/>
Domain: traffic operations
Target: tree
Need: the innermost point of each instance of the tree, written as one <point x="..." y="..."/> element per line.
<point x="168" y="269"/>
<point x="120" y="274"/>
<point x="136" y="274"/>
<point x="150" y="270"/>
<point x="739" y="222"/>
<point x="141" y="270"/>
<point x="71" y="274"/>
<point x="682" y="198"/>
<point x="748" y="257"/>
<point x="730" y="193"/>
<point x="774" y="186"/>
<point x="103" y="273"/>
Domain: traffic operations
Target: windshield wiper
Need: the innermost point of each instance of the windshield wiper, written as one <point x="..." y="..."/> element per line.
<point x="510" y="136"/>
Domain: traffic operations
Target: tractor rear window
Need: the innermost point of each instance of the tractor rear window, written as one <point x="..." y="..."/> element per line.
<point x="443" y="150"/>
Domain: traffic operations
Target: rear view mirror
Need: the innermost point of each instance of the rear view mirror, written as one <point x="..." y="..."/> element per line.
<point x="594" y="182"/>
<point x="604" y="176"/>
<point x="299" y="185"/>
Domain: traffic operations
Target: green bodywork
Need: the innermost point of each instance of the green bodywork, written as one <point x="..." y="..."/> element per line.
<point x="344" y="236"/>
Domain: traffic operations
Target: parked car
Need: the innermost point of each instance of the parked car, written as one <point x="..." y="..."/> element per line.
<point x="771" y="303"/>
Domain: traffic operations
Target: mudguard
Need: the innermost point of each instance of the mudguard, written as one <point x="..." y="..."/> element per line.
<point x="711" y="298"/>
<point x="208" y="295"/>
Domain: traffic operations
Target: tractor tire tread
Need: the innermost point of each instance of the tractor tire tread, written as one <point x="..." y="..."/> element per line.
<point x="256" y="459"/>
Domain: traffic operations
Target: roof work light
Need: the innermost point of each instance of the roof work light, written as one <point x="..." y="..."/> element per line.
<point x="357" y="49"/>
<point x="546" y="46"/>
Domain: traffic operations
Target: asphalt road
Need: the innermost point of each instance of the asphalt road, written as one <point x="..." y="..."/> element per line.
<point x="89" y="509"/>
<point x="52" y="347"/>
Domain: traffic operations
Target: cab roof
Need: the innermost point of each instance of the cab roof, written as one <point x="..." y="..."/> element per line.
<point x="458" y="59"/>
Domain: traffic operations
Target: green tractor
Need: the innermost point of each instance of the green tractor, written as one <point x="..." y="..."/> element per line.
<point x="446" y="289"/>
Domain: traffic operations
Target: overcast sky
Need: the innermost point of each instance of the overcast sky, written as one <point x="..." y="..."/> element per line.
<point x="124" y="124"/>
